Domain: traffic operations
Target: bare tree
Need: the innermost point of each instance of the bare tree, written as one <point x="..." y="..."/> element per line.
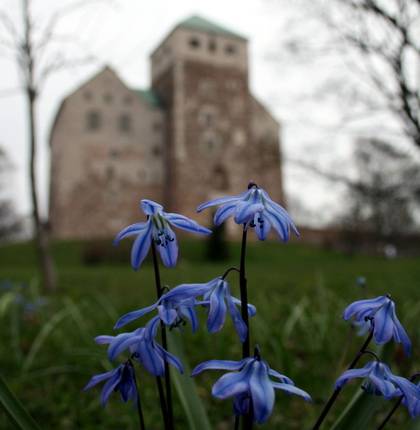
<point x="39" y="52"/>
<point x="377" y="45"/>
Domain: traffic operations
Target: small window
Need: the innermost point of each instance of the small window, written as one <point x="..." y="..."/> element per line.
<point x="194" y="42"/>
<point x="212" y="45"/>
<point x="230" y="49"/>
<point x="107" y="98"/>
<point x="93" y="120"/>
<point x="124" y="123"/>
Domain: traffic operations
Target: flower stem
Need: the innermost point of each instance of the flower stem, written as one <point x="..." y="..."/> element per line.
<point x="337" y="391"/>
<point x="159" y="290"/>
<point x="138" y="401"/>
<point x="247" y="419"/>
<point x="397" y="404"/>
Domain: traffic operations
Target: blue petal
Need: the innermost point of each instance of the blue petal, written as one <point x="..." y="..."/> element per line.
<point x="219" y="201"/>
<point x="363" y="306"/>
<point x="237" y="320"/>
<point x="252" y="310"/>
<point x="282" y="378"/>
<point x="354" y="373"/>
<point x="151" y="358"/>
<point x="385" y="387"/>
<point x="241" y="404"/>
<point x="189" y="313"/>
<point x="185" y="223"/>
<point x="219" y="365"/>
<point x="141" y="246"/>
<point x="400" y="335"/>
<point x="383" y="329"/>
<point x="279" y="223"/>
<point x="131" y="316"/>
<point x="231" y="384"/>
<point x="186" y="291"/>
<point x="262" y="392"/>
<point x="245" y="211"/>
<point x="224" y="212"/>
<point x="217" y="312"/>
<point x="262" y="225"/>
<point x="131" y="230"/>
<point x="110" y="386"/>
<point x="171" y="359"/>
<point x="291" y="389"/>
<point x="150" y="207"/>
<point x="121" y="343"/>
<point x="104" y="340"/>
<point x="96" y="379"/>
<point x="167" y="315"/>
<point x="150" y="330"/>
<point x="168" y="248"/>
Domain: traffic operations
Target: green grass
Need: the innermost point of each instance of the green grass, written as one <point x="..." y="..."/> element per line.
<point x="300" y="292"/>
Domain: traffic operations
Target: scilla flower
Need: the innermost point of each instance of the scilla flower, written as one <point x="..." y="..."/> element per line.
<point x="410" y="393"/>
<point x="253" y="208"/>
<point x="385" y="322"/>
<point x="121" y="379"/>
<point x="378" y="379"/>
<point x="143" y="348"/>
<point x="157" y="228"/>
<point x="249" y="383"/>
<point x="173" y="308"/>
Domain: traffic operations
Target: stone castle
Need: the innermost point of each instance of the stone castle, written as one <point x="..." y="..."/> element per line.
<point x="196" y="134"/>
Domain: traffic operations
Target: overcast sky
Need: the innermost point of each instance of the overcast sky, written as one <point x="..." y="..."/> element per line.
<point x="123" y="37"/>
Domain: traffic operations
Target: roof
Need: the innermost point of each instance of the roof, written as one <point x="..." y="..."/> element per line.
<point x="196" y="22"/>
<point x="149" y="96"/>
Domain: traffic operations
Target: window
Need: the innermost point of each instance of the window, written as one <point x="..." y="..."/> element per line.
<point x="93" y="120"/>
<point x="230" y="49"/>
<point x="124" y="123"/>
<point x="212" y="45"/>
<point x="194" y="42"/>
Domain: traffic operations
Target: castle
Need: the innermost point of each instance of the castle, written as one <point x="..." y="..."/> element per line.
<point x="196" y="134"/>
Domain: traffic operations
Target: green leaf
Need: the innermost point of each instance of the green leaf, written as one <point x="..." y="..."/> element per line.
<point x="359" y="412"/>
<point x="14" y="409"/>
<point x="186" y="389"/>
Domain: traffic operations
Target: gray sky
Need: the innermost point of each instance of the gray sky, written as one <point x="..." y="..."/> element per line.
<point x="123" y="37"/>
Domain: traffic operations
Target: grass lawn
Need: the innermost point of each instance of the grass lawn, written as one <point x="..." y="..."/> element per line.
<point x="48" y="355"/>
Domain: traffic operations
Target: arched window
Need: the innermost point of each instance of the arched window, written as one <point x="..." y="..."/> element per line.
<point x="93" y="120"/>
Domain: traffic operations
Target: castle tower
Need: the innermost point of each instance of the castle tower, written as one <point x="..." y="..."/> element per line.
<point x="216" y="133"/>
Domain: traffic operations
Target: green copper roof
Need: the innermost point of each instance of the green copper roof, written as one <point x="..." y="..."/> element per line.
<point x="200" y="24"/>
<point x="150" y="97"/>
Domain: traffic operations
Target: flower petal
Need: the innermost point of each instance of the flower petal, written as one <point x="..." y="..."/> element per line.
<point x="354" y="373"/>
<point x="291" y="389"/>
<point x="168" y="248"/>
<point x="237" y="320"/>
<point x="282" y="378"/>
<point x="171" y="359"/>
<point x="231" y="384"/>
<point x="262" y="392"/>
<point x="383" y="324"/>
<point x="150" y="207"/>
<point x="121" y="343"/>
<point x="219" y="201"/>
<point x="131" y="230"/>
<point x="110" y="386"/>
<point x="151" y="358"/>
<point x="167" y="315"/>
<point x="362" y="306"/>
<point x="262" y="225"/>
<point x="217" y="311"/>
<point x="219" y="365"/>
<point x="187" y="291"/>
<point x="131" y="316"/>
<point x="141" y="246"/>
<point x="245" y="211"/>
<point x="191" y="315"/>
<point x="96" y="379"/>
<point x="224" y="212"/>
<point x="184" y="223"/>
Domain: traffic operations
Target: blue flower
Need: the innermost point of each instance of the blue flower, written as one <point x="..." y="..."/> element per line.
<point x="157" y="228"/>
<point x="173" y="308"/>
<point x="143" y="347"/>
<point x="378" y="379"/>
<point x="249" y="383"/>
<point x="385" y="322"/>
<point x="253" y="208"/>
<point x="121" y="379"/>
<point x="181" y="301"/>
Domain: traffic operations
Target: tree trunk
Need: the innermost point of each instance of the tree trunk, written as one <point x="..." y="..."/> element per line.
<point x="46" y="263"/>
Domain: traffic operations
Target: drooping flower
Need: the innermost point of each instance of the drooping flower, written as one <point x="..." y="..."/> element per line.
<point x="181" y="302"/>
<point x="378" y="379"/>
<point x="253" y="208"/>
<point x="249" y="383"/>
<point x="172" y="309"/>
<point x="120" y="379"/>
<point x="143" y="348"/>
<point x="385" y="322"/>
<point x="157" y="228"/>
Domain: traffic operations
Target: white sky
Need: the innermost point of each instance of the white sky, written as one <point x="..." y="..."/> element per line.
<point x="123" y="36"/>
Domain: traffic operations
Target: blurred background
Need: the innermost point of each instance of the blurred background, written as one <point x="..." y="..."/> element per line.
<point x="105" y="102"/>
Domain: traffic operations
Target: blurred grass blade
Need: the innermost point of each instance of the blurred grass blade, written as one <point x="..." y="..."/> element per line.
<point x="186" y="389"/>
<point x="42" y="336"/>
<point x="14" y="409"/>
<point x="359" y="412"/>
